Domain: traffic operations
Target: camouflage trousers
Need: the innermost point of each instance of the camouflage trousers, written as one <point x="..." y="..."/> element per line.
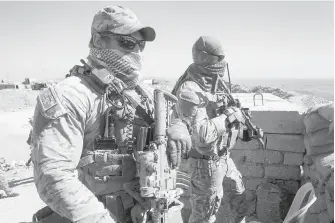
<point x="210" y="182"/>
<point x="4" y="183"/>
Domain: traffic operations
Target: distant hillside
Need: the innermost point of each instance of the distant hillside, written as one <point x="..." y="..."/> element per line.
<point x="303" y="100"/>
<point x="16" y="99"/>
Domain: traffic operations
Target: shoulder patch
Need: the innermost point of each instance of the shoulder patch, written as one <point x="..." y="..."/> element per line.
<point x="47" y="99"/>
<point x="50" y="106"/>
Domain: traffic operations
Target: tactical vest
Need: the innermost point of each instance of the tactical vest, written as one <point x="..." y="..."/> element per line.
<point x="103" y="164"/>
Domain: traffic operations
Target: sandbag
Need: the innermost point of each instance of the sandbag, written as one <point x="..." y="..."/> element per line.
<point x="327" y="112"/>
<point x="331" y="128"/>
<point x="319" y="205"/>
<point x="312" y="174"/>
<point x="315" y="122"/>
<point x="330" y="205"/>
<point x="319" y="142"/>
<point x="310" y="218"/>
<point x="324" y="164"/>
<point x="324" y="217"/>
<point x="315" y="150"/>
<point x="320" y="138"/>
<point x="324" y="109"/>
<point x="305" y="169"/>
<point x="308" y="160"/>
<point x="330" y="185"/>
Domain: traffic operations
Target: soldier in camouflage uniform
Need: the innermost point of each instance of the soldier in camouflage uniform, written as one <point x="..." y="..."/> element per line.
<point x="213" y="173"/>
<point x="82" y="125"/>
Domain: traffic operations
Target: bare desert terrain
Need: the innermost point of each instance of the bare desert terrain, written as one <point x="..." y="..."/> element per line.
<point x="14" y="130"/>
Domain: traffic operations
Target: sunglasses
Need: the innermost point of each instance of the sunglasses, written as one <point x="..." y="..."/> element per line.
<point x="126" y="41"/>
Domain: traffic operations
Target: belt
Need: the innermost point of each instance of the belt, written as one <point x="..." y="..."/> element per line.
<point x="216" y="157"/>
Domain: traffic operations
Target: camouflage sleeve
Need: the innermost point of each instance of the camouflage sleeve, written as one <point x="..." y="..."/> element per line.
<point x="208" y="131"/>
<point x="57" y="140"/>
<point x="191" y="108"/>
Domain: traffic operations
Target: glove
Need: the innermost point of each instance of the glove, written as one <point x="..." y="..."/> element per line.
<point x="234" y="114"/>
<point x="179" y="143"/>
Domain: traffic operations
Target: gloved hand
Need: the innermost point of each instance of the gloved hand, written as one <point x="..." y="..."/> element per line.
<point x="179" y="142"/>
<point x="234" y="114"/>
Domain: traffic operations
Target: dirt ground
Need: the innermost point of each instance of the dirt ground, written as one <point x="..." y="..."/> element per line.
<point x="14" y="130"/>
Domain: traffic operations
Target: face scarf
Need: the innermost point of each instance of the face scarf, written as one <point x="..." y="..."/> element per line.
<point x="125" y="66"/>
<point x="203" y="75"/>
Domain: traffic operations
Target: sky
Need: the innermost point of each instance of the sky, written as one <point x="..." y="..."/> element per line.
<point x="264" y="39"/>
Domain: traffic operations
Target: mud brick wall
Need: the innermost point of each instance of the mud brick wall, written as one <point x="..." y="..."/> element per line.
<point x="319" y="161"/>
<point x="272" y="175"/>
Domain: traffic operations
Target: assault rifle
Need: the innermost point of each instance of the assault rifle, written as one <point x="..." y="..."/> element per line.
<point x="157" y="178"/>
<point x="253" y="131"/>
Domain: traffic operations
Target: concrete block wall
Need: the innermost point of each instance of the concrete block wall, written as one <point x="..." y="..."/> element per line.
<point x="272" y="175"/>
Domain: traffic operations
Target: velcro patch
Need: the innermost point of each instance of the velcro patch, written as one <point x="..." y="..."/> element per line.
<point x="47" y="99"/>
<point x="50" y="106"/>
